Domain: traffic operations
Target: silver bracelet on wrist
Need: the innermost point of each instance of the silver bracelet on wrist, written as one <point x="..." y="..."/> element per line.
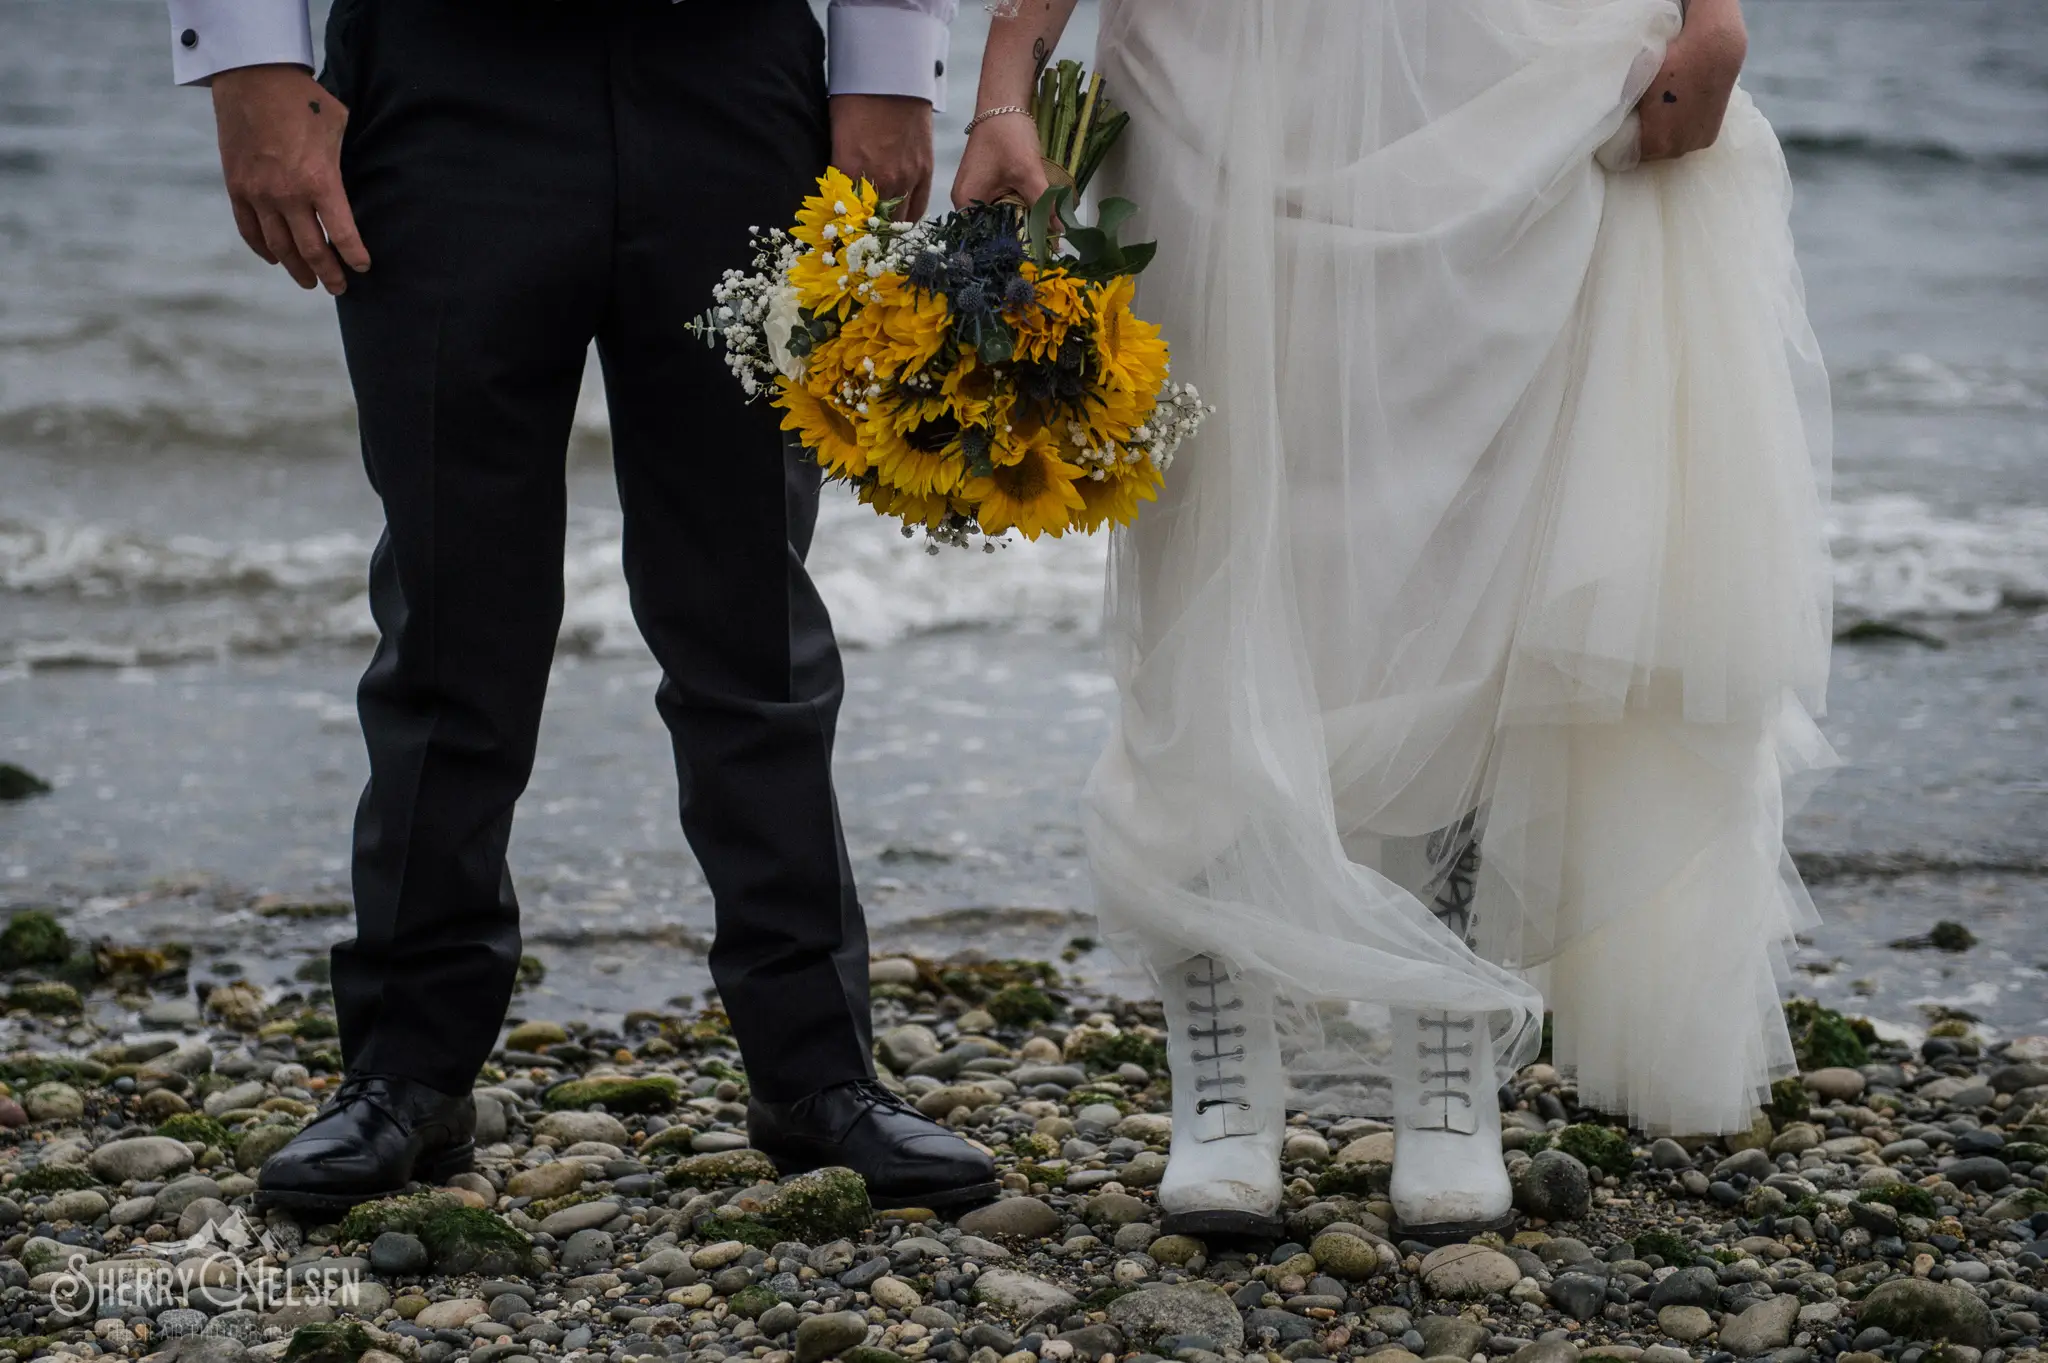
<point x="986" y="114"/>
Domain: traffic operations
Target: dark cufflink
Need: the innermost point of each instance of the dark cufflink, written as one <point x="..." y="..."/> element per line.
<point x="190" y="37"/>
<point x="939" y="69"/>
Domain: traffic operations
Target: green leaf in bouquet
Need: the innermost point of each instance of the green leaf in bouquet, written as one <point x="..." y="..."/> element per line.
<point x="996" y="344"/>
<point x="1038" y="226"/>
<point x="1113" y="214"/>
<point x="1098" y="255"/>
<point x="1138" y="255"/>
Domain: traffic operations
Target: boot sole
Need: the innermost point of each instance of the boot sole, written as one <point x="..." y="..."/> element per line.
<point x="1223" y="1225"/>
<point x="439" y="1169"/>
<point x="1457" y="1232"/>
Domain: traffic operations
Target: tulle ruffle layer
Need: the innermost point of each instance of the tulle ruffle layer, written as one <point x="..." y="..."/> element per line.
<point x="1509" y="525"/>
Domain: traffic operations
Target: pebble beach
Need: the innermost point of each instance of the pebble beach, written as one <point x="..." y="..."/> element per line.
<point x="1891" y="1203"/>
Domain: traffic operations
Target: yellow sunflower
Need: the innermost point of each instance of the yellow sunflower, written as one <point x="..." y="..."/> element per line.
<point x="1112" y="413"/>
<point x="929" y="510"/>
<point x="1033" y="492"/>
<point x="828" y="432"/>
<point x="1059" y="304"/>
<point x="1114" y="499"/>
<point x="1129" y="350"/>
<point x="900" y="329"/>
<point x="840" y="205"/>
<point x="976" y="394"/>
<point x="920" y="464"/>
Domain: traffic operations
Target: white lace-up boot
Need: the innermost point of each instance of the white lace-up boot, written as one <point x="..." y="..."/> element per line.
<point x="1223" y="1172"/>
<point x="1449" y="1182"/>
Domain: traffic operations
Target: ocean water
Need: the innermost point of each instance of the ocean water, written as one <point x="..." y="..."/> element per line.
<point x="184" y="527"/>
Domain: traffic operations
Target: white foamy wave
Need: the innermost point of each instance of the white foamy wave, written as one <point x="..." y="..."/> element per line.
<point x="98" y="560"/>
<point x="95" y="595"/>
<point x="1894" y="557"/>
<point x="1921" y="382"/>
<point x="879" y="586"/>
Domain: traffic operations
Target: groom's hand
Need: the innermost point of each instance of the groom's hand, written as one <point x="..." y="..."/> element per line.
<point x="887" y="140"/>
<point x="280" y="149"/>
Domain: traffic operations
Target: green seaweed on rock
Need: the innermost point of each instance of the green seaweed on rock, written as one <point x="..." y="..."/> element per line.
<point x="1909" y="1198"/>
<point x="1823" y="1038"/>
<point x="33" y="937"/>
<point x="618" y="1093"/>
<point x="1020" y="1005"/>
<point x="196" y="1128"/>
<point x="55" y="1178"/>
<point x="1671" y="1248"/>
<point x="1596" y="1147"/>
<point x="335" y="1341"/>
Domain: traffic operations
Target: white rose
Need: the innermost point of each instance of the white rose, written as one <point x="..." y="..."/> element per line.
<point x="784" y="316"/>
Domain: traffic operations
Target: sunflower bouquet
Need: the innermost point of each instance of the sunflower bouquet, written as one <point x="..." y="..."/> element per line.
<point x="972" y="375"/>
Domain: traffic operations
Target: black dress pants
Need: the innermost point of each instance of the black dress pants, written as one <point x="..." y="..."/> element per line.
<point x="530" y="175"/>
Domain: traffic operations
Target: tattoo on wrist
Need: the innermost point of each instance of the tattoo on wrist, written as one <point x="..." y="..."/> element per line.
<point x="314" y="105"/>
<point x="1040" y="54"/>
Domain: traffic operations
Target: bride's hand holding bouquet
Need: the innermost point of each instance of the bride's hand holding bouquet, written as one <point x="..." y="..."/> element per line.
<point x="981" y="372"/>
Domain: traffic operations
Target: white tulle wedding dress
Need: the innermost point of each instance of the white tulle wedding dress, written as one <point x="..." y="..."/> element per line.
<point x="1508" y="528"/>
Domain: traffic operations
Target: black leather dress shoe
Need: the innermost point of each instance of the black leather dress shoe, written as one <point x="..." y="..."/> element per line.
<point x="906" y="1158"/>
<point x="377" y="1134"/>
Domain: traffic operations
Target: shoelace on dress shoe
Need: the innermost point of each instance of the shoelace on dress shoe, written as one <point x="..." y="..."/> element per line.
<point x="869" y="1094"/>
<point x="1454" y="1083"/>
<point x="1215" y="1033"/>
<point x="357" y="1089"/>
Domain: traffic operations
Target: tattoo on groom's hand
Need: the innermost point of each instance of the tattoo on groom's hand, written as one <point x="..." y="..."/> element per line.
<point x="280" y="151"/>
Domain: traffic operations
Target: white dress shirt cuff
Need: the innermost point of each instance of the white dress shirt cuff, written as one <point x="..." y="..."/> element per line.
<point x="209" y="36"/>
<point x="878" y="51"/>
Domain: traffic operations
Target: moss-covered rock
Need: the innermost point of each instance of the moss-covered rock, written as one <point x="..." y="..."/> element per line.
<point x="18" y="783"/>
<point x="462" y="1238"/>
<point x="869" y="1353"/>
<point x="1823" y="1038"/>
<point x="1909" y="1198"/>
<point x="1915" y="1309"/>
<point x="750" y="1302"/>
<point x="1672" y="1249"/>
<point x="135" y="967"/>
<point x="1948" y="936"/>
<point x="260" y="1142"/>
<point x="1790" y="1102"/>
<point x="531" y="972"/>
<point x="823" y="1205"/>
<point x="617" y="1093"/>
<point x="29" y="1070"/>
<point x="749" y="1228"/>
<point x="1105" y="1049"/>
<point x="724" y="1169"/>
<point x="46" y="998"/>
<point x="33" y="937"/>
<point x="536" y="1034"/>
<point x="1021" y="1005"/>
<point x="669" y="1139"/>
<point x="55" y="1178"/>
<point x="337" y="1341"/>
<point x="1367" y="1179"/>
<point x="196" y="1128"/>
<point x="1596" y="1147"/>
